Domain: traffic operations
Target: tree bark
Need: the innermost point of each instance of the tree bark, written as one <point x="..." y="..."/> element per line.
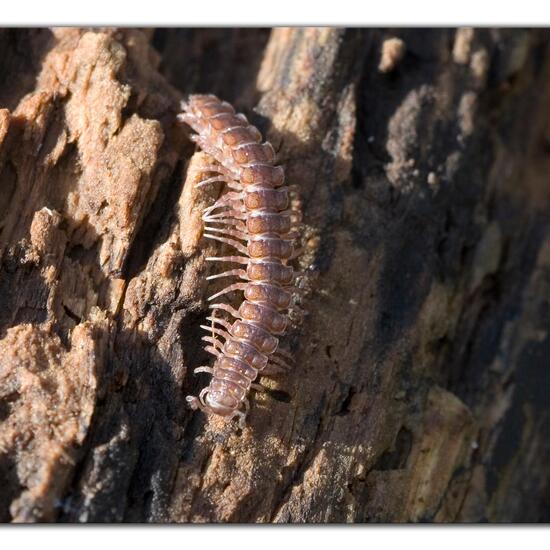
<point x="420" y="391"/>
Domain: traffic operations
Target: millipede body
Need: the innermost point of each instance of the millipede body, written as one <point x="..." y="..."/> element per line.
<point x="259" y="216"/>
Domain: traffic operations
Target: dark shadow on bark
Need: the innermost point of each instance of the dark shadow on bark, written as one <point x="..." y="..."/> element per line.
<point x="213" y="60"/>
<point x="21" y="54"/>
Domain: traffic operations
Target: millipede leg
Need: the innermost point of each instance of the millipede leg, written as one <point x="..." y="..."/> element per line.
<point x="296" y="290"/>
<point x="228" y="222"/>
<point x="233" y="232"/>
<point x="207" y="212"/>
<point x="193" y="402"/>
<point x="217" y="168"/>
<point x="214" y="341"/>
<point x="297" y="252"/>
<point x="226" y="200"/>
<point x="205" y="145"/>
<point x="272" y="370"/>
<point x="285" y="353"/>
<point x="212" y="324"/>
<point x="213" y="351"/>
<point x="298" y="275"/>
<point x="209" y="370"/>
<point x="234" y="185"/>
<point x="241" y="273"/>
<point x="186" y="117"/>
<point x="294" y="189"/>
<point x="228" y="308"/>
<point x="242" y="418"/>
<point x="297" y="310"/>
<point x="292" y="235"/>
<point x="243" y="236"/>
<point x="280" y="363"/>
<point x="230" y="288"/>
<point x="198" y="402"/>
<point x="218" y="320"/>
<point x="236" y="244"/>
<point x="213" y="179"/>
<point x="235" y="259"/>
<point x="201" y="397"/>
<point x="214" y="330"/>
<point x="239" y="214"/>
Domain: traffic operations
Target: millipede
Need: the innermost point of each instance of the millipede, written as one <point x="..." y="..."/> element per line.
<point x="259" y="216"/>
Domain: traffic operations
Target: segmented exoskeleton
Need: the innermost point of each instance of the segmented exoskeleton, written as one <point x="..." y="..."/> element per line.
<point x="260" y="217"/>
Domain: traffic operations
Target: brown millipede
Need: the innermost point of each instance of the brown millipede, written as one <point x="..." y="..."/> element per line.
<point x="260" y="217"/>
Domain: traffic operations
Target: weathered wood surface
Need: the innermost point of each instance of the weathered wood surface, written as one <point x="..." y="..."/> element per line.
<point x="420" y="391"/>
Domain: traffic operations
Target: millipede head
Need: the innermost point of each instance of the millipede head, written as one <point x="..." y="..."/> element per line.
<point x="218" y="403"/>
<point x="210" y="404"/>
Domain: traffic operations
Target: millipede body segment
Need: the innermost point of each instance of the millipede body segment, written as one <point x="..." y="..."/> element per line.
<point x="259" y="216"/>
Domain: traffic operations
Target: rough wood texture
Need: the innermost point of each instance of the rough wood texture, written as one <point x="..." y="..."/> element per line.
<point x="420" y="391"/>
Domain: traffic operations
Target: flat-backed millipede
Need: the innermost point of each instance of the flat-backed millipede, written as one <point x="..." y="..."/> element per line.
<point x="260" y="217"/>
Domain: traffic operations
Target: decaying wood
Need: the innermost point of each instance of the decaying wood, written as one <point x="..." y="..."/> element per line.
<point x="421" y="378"/>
